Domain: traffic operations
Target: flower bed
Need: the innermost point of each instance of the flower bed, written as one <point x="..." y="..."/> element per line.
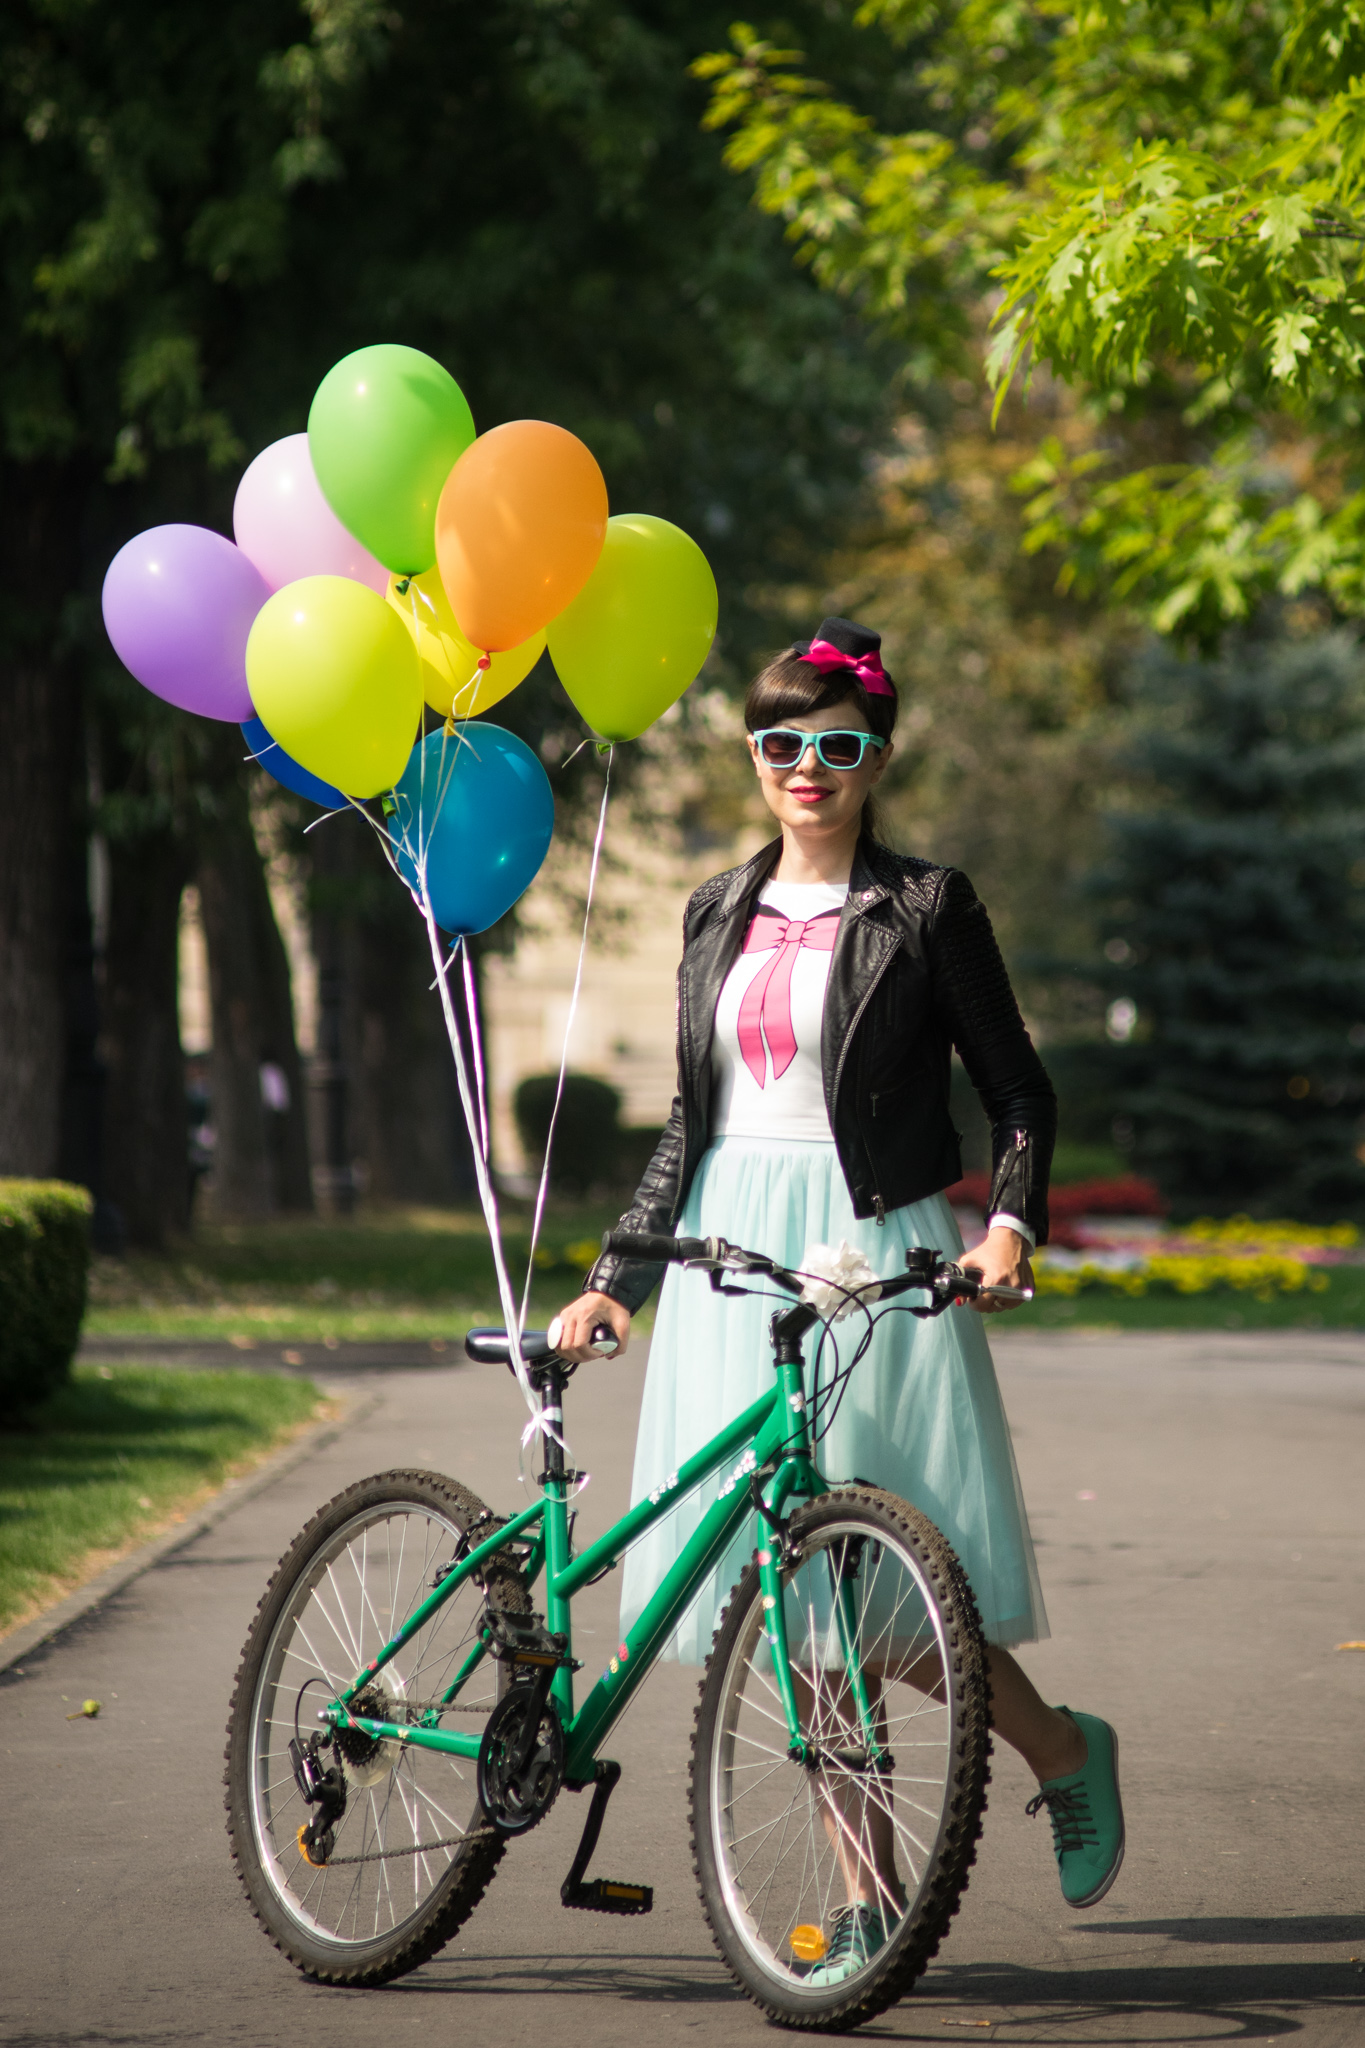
<point x="1263" y="1275"/>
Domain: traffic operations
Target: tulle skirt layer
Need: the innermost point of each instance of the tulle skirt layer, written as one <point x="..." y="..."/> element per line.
<point x="921" y="1415"/>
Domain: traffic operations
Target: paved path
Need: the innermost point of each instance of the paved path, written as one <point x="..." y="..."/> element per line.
<point x="1196" y="1599"/>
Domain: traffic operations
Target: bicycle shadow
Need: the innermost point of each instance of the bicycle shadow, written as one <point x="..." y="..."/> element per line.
<point x="1135" y="2002"/>
<point x="633" y="1978"/>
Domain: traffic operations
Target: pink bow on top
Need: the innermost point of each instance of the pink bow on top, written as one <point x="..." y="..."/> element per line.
<point x="823" y="654"/>
<point x="766" y="1010"/>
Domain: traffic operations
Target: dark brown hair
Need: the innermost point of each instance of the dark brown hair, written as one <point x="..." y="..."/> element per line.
<point x="789" y="687"/>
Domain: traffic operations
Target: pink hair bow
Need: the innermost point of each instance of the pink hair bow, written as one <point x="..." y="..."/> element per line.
<point x="823" y="654"/>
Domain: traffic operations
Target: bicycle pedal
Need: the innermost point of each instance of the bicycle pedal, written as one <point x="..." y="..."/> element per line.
<point x="607" y="1895"/>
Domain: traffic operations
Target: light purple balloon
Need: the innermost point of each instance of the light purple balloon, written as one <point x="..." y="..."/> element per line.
<point x="286" y="527"/>
<point x="179" y="602"/>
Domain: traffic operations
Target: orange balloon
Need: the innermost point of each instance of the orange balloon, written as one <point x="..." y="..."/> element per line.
<point x="519" y="528"/>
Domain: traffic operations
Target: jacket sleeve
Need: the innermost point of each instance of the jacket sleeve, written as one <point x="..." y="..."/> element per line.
<point x="978" y="1008"/>
<point x="632" y="1281"/>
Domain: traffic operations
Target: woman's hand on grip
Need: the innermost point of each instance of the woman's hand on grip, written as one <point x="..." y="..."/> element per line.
<point x="1002" y="1260"/>
<point x="578" y="1321"/>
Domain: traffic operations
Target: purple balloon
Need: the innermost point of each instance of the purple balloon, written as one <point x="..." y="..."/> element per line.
<point x="179" y="602"/>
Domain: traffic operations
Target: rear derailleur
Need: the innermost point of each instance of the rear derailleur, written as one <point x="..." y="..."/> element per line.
<point x="324" y="1787"/>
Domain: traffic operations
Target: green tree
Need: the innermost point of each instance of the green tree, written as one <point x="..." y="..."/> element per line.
<point x="1233" y="917"/>
<point x="205" y="207"/>
<point x="1162" y="199"/>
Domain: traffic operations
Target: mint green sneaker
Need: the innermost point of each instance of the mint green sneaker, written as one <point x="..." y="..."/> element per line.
<point x="1087" y="1815"/>
<point x="856" y="1934"/>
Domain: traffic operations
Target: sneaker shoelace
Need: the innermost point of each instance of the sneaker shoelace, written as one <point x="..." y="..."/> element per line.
<point x="1068" y="1808"/>
<point x="848" y="1923"/>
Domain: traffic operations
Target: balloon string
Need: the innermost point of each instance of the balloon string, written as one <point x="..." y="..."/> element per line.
<point x="475" y="1041"/>
<point x="543" y="1190"/>
<point x="417" y="888"/>
<point x="487" y="1198"/>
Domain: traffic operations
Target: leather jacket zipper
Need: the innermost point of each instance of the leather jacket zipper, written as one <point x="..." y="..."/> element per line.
<point x="880" y="1207"/>
<point x="1018" y="1154"/>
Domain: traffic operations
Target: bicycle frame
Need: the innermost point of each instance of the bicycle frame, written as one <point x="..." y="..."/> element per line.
<point x="769" y="1442"/>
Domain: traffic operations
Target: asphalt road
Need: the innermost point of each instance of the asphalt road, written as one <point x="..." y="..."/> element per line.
<point x="1200" y="1514"/>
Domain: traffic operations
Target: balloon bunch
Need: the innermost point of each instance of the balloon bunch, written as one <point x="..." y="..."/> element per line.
<point x="390" y="557"/>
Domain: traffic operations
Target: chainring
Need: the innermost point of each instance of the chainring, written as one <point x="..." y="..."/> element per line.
<point x="513" y="1799"/>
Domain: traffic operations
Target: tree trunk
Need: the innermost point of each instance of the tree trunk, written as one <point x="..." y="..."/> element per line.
<point x="261" y="1154"/>
<point x="386" y="1075"/>
<point x="40" y="729"/>
<point x="146" y="1159"/>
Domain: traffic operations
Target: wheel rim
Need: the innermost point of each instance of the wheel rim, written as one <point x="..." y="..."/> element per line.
<point x="408" y="1811"/>
<point x="779" y="1826"/>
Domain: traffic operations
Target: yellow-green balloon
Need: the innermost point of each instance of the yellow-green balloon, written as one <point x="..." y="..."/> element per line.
<point x="640" y="628"/>
<point x="336" y="681"/>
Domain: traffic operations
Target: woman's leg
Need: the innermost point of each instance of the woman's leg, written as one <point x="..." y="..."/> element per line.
<point x="859" y="1824"/>
<point x="1049" y="1741"/>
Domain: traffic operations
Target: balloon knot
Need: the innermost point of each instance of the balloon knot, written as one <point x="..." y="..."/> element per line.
<point x="449" y="726"/>
<point x="485" y="661"/>
<point x="402" y="586"/>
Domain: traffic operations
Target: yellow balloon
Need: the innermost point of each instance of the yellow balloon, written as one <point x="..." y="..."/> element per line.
<point x="336" y="681"/>
<point x="452" y="680"/>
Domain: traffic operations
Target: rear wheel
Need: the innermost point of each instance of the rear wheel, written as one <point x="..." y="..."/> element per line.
<point x="829" y="1882"/>
<point x="408" y="1857"/>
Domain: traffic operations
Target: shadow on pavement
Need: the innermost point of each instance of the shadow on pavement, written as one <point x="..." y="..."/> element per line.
<point x="1270" y="1930"/>
<point x="1137" y="2004"/>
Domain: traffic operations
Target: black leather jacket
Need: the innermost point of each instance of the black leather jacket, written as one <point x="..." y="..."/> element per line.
<point x="915" y="972"/>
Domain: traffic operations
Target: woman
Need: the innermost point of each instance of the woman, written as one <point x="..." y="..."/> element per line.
<point x="822" y="989"/>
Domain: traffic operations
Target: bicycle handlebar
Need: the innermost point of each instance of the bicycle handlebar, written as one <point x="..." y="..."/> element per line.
<point x="949" y="1282"/>
<point x="654" y="1245"/>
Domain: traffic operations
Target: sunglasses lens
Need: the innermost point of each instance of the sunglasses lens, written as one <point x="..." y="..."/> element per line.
<point x="841" y="750"/>
<point x="782" y="749"/>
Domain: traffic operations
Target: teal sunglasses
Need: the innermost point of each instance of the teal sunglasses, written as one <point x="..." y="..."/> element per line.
<point x="783" y="746"/>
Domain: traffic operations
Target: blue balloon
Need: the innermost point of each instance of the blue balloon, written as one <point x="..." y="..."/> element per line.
<point x="286" y="769"/>
<point x="480" y="805"/>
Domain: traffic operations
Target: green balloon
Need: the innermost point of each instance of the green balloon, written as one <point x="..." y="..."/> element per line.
<point x="640" y="628"/>
<point x="386" y="427"/>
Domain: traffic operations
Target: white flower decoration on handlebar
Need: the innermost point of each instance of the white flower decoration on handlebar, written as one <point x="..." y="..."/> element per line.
<point x="836" y="1274"/>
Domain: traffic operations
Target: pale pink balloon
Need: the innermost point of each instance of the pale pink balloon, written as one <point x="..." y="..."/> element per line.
<point x="286" y="527"/>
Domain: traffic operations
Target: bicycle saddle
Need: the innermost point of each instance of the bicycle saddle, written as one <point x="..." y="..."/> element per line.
<point x="490" y="1347"/>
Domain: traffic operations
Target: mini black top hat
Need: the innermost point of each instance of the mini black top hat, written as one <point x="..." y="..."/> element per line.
<point x="840" y="643"/>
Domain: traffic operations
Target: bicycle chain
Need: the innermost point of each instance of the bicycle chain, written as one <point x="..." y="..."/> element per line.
<point x="417" y="1849"/>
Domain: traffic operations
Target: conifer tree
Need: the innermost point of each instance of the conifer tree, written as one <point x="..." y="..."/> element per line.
<point x="1235" y="921"/>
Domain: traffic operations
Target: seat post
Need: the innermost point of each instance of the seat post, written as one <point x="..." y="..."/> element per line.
<point x="549" y="1381"/>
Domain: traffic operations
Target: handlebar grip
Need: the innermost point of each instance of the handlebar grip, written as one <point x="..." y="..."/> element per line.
<point x="653" y="1245"/>
<point x="1009" y="1293"/>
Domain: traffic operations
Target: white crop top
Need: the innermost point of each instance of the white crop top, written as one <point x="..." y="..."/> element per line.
<point x="765" y="1051"/>
<point x="766" y="1074"/>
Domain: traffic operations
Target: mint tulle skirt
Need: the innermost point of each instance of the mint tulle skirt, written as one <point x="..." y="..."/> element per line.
<point x="921" y="1415"/>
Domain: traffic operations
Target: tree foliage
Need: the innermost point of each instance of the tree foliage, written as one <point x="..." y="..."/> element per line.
<point x="1162" y="201"/>
<point x="1233" y="916"/>
<point x="204" y="208"/>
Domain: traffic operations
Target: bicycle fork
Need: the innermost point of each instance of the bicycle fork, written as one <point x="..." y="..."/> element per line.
<point x="776" y="1556"/>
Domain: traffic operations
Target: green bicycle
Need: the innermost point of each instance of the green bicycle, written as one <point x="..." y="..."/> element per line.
<point x="401" y="1713"/>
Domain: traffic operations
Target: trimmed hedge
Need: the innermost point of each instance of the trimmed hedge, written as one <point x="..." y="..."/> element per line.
<point x="587" y="1134"/>
<point x="44" y="1265"/>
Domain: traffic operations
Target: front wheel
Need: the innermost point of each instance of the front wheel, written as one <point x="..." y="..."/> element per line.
<point x="829" y="1879"/>
<point x="359" y="1890"/>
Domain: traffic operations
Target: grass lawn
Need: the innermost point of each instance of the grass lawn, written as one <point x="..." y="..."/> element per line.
<point x="427" y="1273"/>
<point x="396" y="1273"/>
<point x="119" y="1454"/>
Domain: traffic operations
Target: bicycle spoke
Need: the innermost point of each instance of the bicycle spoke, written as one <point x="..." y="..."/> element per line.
<point x="861" y="1817"/>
